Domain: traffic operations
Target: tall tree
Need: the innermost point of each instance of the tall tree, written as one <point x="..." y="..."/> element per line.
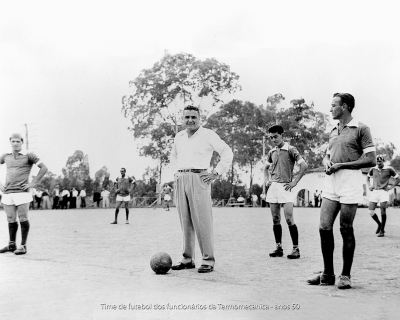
<point x="306" y="129"/>
<point x="158" y="93"/>
<point x="242" y="125"/>
<point x="385" y="149"/>
<point x="76" y="169"/>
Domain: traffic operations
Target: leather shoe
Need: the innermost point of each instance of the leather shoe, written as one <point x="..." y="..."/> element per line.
<point x="181" y="266"/>
<point x="322" y="280"/>
<point x="205" y="268"/>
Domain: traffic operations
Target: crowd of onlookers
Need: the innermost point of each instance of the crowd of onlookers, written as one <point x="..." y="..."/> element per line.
<point x="68" y="198"/>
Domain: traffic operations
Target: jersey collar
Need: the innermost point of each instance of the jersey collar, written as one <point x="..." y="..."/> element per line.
<point x="284" y="147"/>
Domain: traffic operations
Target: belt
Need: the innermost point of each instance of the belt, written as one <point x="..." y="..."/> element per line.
<point x="192" y="170"/>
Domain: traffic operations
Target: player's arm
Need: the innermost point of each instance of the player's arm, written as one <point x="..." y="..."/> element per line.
<point x="368" y="160"/>
<point x="369" y="175"/>
<point x="133" y="184"/>
<point x="396" y="177"/>
<point x="2" y="187"/>
<point x="267" y="182"/>
<point x="303" y="167"/>
<point x="36" y="180"/>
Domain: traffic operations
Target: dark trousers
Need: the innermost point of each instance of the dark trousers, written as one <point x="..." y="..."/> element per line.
<point x="38" y="201"/>
<point x="72" y="204"/>
<point x="83" y="202"/>
<point x="55" y="202"/>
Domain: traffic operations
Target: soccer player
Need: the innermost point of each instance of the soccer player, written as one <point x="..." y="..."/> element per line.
<point x="190" y="157"/>
<point x="278" y="175"/>
<point x="380" y="191"/>
<point x="350" y="148"/>
<point x="167" y="191"/>
<point x="16" y="195"/>
<point x="124" y="187"/>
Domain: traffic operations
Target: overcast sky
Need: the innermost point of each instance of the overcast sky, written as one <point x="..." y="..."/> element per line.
<point x="64" y="66"/>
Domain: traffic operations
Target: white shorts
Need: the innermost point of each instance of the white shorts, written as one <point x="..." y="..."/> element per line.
<point x="123" y="198"/>
<point x="277" y="193"/>
<point x="379" y="196"/>
<point x="344" y="186"/>
<point x="167" y="197"/>
<point x="16" y="199"/>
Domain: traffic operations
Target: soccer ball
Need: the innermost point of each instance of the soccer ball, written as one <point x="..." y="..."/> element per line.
<point x="160" y="263"/>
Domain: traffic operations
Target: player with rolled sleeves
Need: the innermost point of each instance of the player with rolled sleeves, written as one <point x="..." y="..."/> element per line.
<point x="190" y="158"/>
<point x="278" y="175"/>
<point x="124" y="187"/>
<point x="380" y="188"/>
<point x="16" y="196"/>
<point x="350" y="149"/>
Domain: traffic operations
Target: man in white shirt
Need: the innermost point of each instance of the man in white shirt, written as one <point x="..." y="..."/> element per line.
<point x="56" y="197"/>
<point x="190" y="158"/>
<point x="82" y="194"/>
<point x="105" y="194"/>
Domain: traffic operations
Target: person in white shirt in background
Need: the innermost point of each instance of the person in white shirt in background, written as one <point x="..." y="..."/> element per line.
<point x="82" y="194"/>
<point x="190" y="158"/>
<point x="105" y="194"/>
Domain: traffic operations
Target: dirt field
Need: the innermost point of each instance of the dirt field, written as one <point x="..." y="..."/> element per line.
<point x="78" y="266"/>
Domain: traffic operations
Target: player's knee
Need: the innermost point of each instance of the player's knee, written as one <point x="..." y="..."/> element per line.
<point x="289" y="222"/>
<point x="371" y="212"/>
<point x="23" y="218"/>
<point x="11" y="219"/>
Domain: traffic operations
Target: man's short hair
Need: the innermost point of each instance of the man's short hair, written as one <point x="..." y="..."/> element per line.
<point x="380" y="158"/>
<point x="346" y="98"/>
<point x="16" y="136"/>
<point x="123" y="168"/>
<point x="276" y="129"/>
<point x="190" y="107"/>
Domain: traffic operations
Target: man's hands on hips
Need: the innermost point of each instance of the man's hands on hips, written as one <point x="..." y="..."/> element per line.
<point x="290" y="186"/>
<point x="208" y="177"/>
<point x="28" y="186"/>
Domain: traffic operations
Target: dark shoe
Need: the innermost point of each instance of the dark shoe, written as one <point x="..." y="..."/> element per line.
<point x="10" y="248"/>
<point x="322" y="279"/>
<point x="21" y="250"/>
<point x="278" y="252"/>
<point x="181" y="266"/>
<point x="344" y="282"/>
<point x="381" y="233"/>
<point x="115" y="222"/>
<point x="295" y="254"/>
<point x="205" y="268"/>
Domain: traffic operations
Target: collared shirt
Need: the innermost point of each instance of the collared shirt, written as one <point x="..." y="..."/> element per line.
<point x="281" y="163"/>
<point x="65" y="193"/>
<point x="18" y="170"/>
<point x="196" y="152"/>
<point x="349" y="144"/>
<point x="382" y="176"/>
<point x="56" y="192"/>
<point x="74" y="193"/>
<point x="82" y="193"/>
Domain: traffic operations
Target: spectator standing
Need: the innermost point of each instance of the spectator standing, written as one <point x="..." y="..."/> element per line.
<point x="46" y="199"/>
<point x="105" y="194"/>
<point x="82" y="194"/>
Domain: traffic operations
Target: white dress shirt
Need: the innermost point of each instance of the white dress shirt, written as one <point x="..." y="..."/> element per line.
<point x="196" y="152"/>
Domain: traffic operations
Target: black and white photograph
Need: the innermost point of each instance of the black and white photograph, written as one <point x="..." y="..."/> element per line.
<point x="199" y="160"/>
